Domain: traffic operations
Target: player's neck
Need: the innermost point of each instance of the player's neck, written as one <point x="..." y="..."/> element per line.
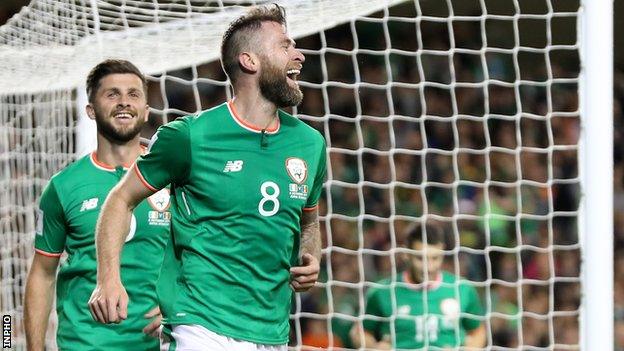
<point x="433" y="283"/>
<point x="115" y="155"/>
<point x="256" y="110"/>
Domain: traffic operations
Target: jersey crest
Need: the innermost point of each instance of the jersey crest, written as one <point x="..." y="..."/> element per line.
<point x="297" y="169"/>
<point x="159" y="200"/>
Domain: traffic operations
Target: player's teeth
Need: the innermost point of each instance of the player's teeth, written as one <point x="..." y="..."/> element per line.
<point x="293" y="71"/>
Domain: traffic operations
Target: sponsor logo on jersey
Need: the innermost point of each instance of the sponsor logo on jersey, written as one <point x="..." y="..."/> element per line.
<point x="450" y="308"/>
<point x="159" y="200"/>
<point x="298" y="191"/>
<point x="159" y="218"/>
<point x="297" y="169"/>
<point x="233" y="166"/>
<point x="89" y="204"/>
<point x="39" y="221"/>
<point x="404" y="310"/>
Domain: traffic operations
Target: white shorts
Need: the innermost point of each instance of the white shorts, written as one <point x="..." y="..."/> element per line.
<point x="197" y="338"/>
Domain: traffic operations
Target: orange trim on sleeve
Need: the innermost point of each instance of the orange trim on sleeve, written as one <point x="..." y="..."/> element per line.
<point x="48" y="254"/>
<point x="142" y="179"/>
<point x="310" y="208"/>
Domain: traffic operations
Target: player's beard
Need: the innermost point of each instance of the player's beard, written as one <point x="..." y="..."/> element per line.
<point x="117" y="134"/>
<point x="275" y="88"/>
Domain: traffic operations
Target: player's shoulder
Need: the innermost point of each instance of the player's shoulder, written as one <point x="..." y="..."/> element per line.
<point x="188" y="123"/>
<point x="301" y="128"/>
<point x="451" y="279"/>
<point x="380" y="286"/>
<point x="73" y="171"/>
<point x="210" y="115"/>
<point x="70" y="175"/>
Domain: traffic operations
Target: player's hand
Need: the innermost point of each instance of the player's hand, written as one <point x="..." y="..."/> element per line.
<point x="109" y="302"/>
<point x="383" y="345"/>
<point x="153" y="329"/>
<point x="303" y="277"/>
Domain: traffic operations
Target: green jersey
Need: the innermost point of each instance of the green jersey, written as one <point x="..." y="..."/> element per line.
<point x="433" y="318"/>
<point x="68" y="211"/>
<point x="238" y="195"/>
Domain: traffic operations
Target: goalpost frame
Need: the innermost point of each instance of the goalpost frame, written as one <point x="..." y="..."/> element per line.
<point x="596" y="171"/>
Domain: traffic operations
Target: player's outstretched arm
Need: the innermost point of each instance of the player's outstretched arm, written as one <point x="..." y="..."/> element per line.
<point x="109" y="300"/>
<point x="476" y="338"/>
<point x="305" y="275"/>
<point x="38" y="300"/>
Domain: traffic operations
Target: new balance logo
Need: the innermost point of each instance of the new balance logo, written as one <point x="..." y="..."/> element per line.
<point x="89" y="204"/>
<point x="233" y="166"/>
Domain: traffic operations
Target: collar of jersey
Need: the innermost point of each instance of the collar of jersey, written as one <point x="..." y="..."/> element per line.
<point x="246" y="125"/>
<point x="430" y="285"/>
<point x="105" y="167"/>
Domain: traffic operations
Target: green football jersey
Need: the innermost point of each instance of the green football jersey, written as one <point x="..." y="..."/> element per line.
<point x="434" y="318"/>
<point x="238" y="194"/>
<point x="68" y="211"/>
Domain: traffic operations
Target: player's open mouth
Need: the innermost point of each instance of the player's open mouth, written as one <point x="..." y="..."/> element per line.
<point x="292" y="74"/>
<point x="123" y="115"/>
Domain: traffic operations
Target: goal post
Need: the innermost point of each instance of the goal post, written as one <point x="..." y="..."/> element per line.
<point x="491" y="117"/>
<point x="597" y="174"/>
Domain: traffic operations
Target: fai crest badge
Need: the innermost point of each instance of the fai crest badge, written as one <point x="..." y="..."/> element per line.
<point x="297" y="169"/>
<point x="159" y="200"/>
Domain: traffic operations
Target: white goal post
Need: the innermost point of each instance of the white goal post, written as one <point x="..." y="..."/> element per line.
<point x="493" y="117"/>
<point x="597" y="162"/>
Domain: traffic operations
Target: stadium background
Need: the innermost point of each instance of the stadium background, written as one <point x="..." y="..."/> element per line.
<point x="535" y="332"/>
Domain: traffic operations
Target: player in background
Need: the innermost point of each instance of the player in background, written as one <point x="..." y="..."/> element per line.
<point x="67" y="216"/>
<point x="435" y="310"/>
<point x="246" y="179"/>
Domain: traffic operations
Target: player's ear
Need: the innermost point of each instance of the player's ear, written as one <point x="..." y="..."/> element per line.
<point x="147" y="110"/>
<point x="248" y="62"/>
<point x="90" y="111"/>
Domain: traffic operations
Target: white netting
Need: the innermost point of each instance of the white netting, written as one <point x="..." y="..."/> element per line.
<point x="461" y="111"/>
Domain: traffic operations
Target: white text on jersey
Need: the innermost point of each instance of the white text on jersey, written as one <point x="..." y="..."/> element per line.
<point x="233" y="166"/>
<point x="89" y="204"/>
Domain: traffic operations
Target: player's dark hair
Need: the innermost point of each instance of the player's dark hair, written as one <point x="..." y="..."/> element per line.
<point x="240" y="31"/>
<point x="111" y="66"/>
<point x="417" y="233"/>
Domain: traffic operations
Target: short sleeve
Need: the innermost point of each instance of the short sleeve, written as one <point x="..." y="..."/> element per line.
<point x="472" y="307"/>
<point x="319" y="178"/>
<point x="168" y="158"/>
<point x="373" y="307"/>
<point x="50" y="229"/>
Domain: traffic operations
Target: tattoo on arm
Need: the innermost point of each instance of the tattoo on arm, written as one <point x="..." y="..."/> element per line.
<point x="310" y="234"/>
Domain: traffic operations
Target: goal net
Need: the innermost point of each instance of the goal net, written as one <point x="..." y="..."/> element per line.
<point x="465" y="112"/>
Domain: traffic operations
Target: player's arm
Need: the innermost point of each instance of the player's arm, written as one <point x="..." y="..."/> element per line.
<point x="476" y="338"/>
<point x="362" y="338"/>
<point x="38" y="299"/>
<point x="51" y="232"/>
<point x="304" y="276"/>
<point x="109" y="301"/>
